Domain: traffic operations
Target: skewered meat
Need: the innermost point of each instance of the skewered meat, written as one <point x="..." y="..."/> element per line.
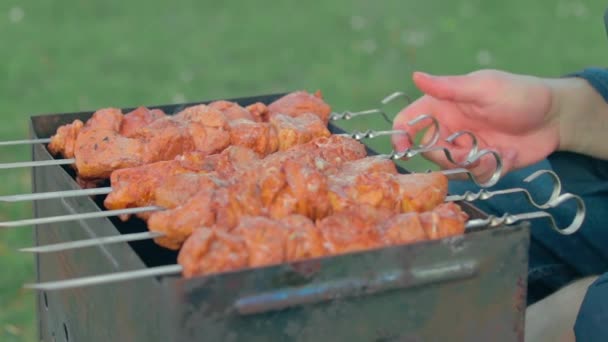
<point x="404" y="228"/>
<point x="138" y="118"/>
<point x="106" y="118"/>
<point x="397" y="192"/>
<point x="163" y="139"/>
<point x="197" y="128"/>
<point x="265" y="240"/>
<point x="296" y="188"/>
<point x="211" y="251"/>
<point x="166" y="182"/>
<point x="206" y="128"/>
<point x="264" y="188"/>
<point x="233" y="111"/>
<point x="304" y="239"/>
<point x="258" y="136"/>
<point x="99" y="151"/>
<point x="195" y="214"/>
<point x="301" y="102"/>
<point x="64" y="141"/>
<point x="297" y="130"/>
<point x="352" y="229"/>
<point x="260" y="241"/>
<point x="135" y="187"/>
<point x="446" y="220"/>
<point x="258" y="110"/>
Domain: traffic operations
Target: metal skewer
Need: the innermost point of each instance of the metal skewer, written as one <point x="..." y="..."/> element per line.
<point x="63" y="246"/>
<point x="467" y="197"/>
<point x="56" y="194"/>
<point x="73" y="217"/>
<point x="25" y="142"/>
<point x="347" y="115"/>
<point x="491" y="221"/>
<point x="40" y="163"/>
<point x="434" y="124"/>
<point x="483" y="194"/>
<point x="107" y="278"/>
<point x="508" y="219"/>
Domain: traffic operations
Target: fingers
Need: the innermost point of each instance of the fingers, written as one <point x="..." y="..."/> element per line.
<point x="465" y="88"/>
<point x="402" y="122"/>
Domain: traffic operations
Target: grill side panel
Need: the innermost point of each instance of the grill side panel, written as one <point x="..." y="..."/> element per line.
<point x="422" y="292"/>
<point x="130" y="311"/>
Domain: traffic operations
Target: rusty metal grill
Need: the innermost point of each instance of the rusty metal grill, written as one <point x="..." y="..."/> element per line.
<point x="470" y="287"/>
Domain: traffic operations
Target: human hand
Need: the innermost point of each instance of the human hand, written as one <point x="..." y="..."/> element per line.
<point x="511" y="114"/>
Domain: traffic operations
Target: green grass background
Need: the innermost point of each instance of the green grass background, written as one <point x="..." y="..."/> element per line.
<point x="63" y="56"/>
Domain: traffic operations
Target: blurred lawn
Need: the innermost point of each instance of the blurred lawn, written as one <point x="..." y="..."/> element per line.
<point x="63" y="56"/>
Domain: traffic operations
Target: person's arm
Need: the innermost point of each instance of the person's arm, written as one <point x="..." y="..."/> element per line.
<point x="580" y="105"/>
<point x="552" y="319"/>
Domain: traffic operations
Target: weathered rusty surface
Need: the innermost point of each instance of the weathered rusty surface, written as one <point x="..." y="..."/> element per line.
<point x="470" y="287"/>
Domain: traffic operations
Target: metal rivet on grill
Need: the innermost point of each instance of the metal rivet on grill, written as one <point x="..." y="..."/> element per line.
<point x="65" y="331"/>
<point x="46" y="300"/>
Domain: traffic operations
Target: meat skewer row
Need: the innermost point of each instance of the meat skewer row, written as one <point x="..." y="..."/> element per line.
<point x="372" y="165"/>
<point x="122" y="211"/>
<point x="197" y="161"/>
<point x="554" y="201"/>
<point x="297" y="189"/>
<point x="206" y="251"/>
<point x="153" y="142"/>
<point x="334" y="149"/>
<point x="261" y="241"/>
<point x="100" y="150"/>
<point x="143" y="116"/>
<point x="63" y="143"/>
<point x="203" y="129"/>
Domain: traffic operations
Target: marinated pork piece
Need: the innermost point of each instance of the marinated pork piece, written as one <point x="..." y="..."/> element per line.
<point x="140" y="186"/>
<point x="265" y="240"/>
<point x="445" y="220"/>
<point x="224" y="163"/>
<point x="304" y="239"/>
<point x="138" y="118"/>
<point x="298" y="130"/>
<point x="353" y="229"/>
<point x="300" y="102"/>
<point x="100" y="151"/>
<point x="422" y="191"/>
<point x="403" y="229"/>
<point x="64" y="141"/>
<point x="258" y="110"/>
<point x="233" y="111"/>
<point x="106" y="118"/>
<point x="164" y="139"/>
<point x="210" y="251"/>
<point x="240" y="198"/>
<point x="258" y="136"/>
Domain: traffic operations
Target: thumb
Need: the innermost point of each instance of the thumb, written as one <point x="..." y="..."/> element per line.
<point x="466" y="88"/>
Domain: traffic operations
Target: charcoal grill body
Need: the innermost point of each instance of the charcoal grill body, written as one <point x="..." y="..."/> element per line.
<point x="465" y="288"/>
